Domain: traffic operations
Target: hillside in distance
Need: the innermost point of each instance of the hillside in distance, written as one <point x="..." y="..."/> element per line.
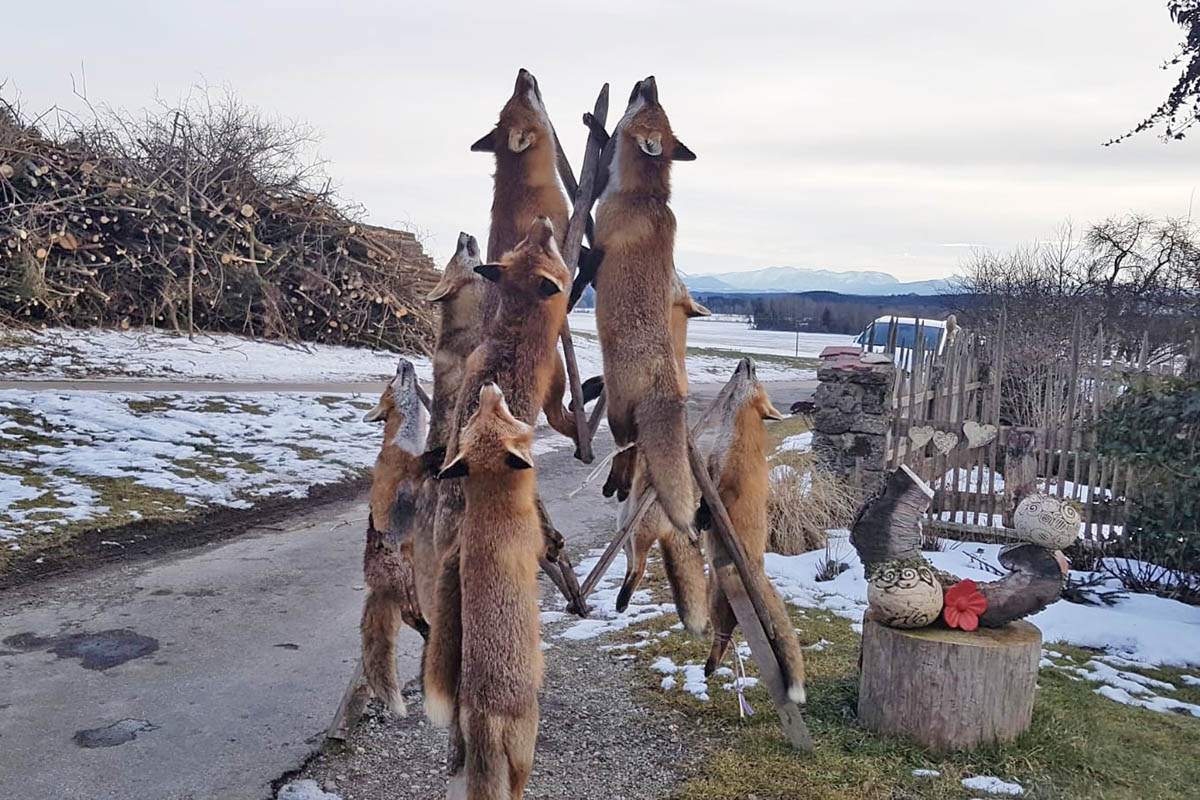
<point x="802" y="279"/>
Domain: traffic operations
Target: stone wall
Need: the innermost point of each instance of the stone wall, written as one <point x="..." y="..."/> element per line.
<point x="852" y="421"/>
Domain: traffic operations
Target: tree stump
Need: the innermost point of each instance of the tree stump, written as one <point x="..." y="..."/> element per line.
<point x="949" y="689"/>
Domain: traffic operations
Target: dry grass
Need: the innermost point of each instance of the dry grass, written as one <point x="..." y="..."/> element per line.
<point x="804" y="502"/>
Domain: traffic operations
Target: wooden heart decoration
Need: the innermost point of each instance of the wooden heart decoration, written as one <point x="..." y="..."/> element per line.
<point x="945" y="441"/>
<point x="978" y="435"/>
<point x="920" y="436"/>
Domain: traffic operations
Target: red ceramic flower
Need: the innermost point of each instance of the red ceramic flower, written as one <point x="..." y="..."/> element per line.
<point x="963" y="605"/>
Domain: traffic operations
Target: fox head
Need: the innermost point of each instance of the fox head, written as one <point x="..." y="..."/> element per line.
<point x="683" y="300"/>
<point x="459" y="279"/>
<point x="741" y="394"/>
<point x="493" y="442"/>
<point x="401" y="410"/>
<point x="532" y="269"/>
<point x="642" y="146"/>
<point x="524" y="126"/>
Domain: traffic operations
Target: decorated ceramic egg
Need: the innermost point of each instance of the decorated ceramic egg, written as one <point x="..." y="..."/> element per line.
<point x="905" y="594"/>
<point x="1047" y="521"/>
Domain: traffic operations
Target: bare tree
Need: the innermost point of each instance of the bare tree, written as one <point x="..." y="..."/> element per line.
<point x="1181" y="109"/>
<point x="1133" y="279"/>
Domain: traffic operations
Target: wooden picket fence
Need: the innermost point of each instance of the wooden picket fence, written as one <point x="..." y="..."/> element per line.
<point x="984" y="432"/>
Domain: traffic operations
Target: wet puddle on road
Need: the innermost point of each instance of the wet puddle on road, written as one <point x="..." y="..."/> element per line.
<point x="99" y="651"/>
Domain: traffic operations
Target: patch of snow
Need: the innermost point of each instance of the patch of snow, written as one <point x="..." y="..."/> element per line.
<point x="1190" y="680"/>
<point x="604" y="618"/>
<point x="668" y="683"/>
<point x="925" y="773"/>
<point x="144" y="354"/>
<point x="1142" y="627"/>
<point x="800" y="442"/>
<point x="211" y="450"/>
<point x="306" y="789"/>
<point x="993" y="785"/>
<point x="1151" y="702"/>
<point x="728" y="332"/>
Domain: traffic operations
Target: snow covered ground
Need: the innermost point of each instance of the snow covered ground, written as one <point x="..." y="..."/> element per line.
<point x="64" y="353"/>
<point x="733" y="333"/>
<point x="1141" y="631"/>
<point x="112" y="457"/>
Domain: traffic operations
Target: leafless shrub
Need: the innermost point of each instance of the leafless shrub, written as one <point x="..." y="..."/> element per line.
<point x="804" y="501"/>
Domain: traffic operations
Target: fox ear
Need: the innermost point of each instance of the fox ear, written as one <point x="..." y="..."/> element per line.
<point x="651" y="145"/>
<point x="694" y="309"/>
<point x="446" y="288"/>
<point x="490" y="271"/>
<point x="519" y="141"/>
<point x="486" y="144"/>
<point x="518" y="456"/>
<point x="375" y="414"/>
<point x="682" y="152"/>
<point x="455" y="469"/>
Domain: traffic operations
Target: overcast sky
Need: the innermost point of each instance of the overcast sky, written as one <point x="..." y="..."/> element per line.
<point x="873" y="135"/>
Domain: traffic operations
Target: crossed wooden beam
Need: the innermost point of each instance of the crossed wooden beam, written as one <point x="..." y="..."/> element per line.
<point x="730" y="561"/>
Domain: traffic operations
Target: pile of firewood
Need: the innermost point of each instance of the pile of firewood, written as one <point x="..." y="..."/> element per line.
<point x="202" y="216"/>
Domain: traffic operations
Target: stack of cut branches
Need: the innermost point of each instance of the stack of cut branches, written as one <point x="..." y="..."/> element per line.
<point x="200" y="216"/>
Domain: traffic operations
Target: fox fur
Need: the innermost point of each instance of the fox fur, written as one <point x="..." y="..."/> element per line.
<point x="483" y="669"/>
<point x="519" y="349"/>
<point x="526" y="183"/>
<point x="388" y="568"/>
<point x="736" y="441"/>
<point x="635" y="229"/>
<point x="682" y="559"/>
<point x="460" y="295"/>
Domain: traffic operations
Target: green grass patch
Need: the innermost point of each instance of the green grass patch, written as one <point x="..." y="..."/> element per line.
<point x="779" y="430"/>
<point x="152" y="405"/>
<point x="1081" y="746"/>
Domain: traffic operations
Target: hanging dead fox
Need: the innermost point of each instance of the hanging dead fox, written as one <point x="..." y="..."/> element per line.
<point x="388" y="567"/>
<point x="460" y="295"/>
<point x="526" y="180"/>
<point x="683" y="560"/>
<point x="635" y="230"/>
<point x="735" y="441"/>
<point x="490" y="679"/>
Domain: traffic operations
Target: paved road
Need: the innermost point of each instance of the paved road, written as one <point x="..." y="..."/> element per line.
<point x="206" y="674"/>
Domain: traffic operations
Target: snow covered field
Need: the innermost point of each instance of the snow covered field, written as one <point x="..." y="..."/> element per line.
<point x="64" y="354"/>
<point x="113" y="457"/>
<point x="726" y="333"/>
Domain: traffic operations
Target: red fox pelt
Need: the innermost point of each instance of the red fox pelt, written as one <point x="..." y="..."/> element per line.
<point x="682" y="559"/>
<point x="518" y="351"/>
<point x="735" y="440"/>
<point x="489" y="679"/>
<point x="388" y="568"/>
<point x="526" y="184"/>
<point x="635" y="280"/>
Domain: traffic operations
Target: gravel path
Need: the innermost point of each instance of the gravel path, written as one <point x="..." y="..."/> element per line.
<point x="595" y="741"/>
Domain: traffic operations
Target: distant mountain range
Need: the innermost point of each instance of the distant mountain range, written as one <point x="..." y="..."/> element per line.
<point x="800" y="279"/>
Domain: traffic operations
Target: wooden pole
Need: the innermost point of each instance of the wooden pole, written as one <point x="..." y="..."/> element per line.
<point x="732" y="568"/>
<point x="584" y="196"/>
<point x="623" y="534"/>
<point x="354" y="700"/>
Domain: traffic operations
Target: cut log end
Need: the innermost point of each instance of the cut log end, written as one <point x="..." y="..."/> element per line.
<point x="948" y="689"/>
